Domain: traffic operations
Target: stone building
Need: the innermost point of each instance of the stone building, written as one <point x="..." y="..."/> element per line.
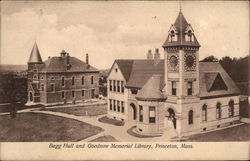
<point x="60" y="79"/>
<point x="177" y="91"/>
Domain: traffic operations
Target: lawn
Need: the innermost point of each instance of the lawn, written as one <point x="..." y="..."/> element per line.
<point x="18" y="106"/>
<point x="237" y="133"/>
<point x="93" y="110"/>
<point x="35" y="127"/>
<point x="105" y="138"/>
<point x="111" y="121"/>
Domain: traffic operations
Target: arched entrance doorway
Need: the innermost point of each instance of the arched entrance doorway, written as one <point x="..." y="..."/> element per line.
<point x="31" y="96"/>
<point x="133" y="111"/>
<point x="170" y="120"/>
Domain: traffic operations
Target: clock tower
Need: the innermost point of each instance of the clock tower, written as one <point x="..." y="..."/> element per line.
<point x="181" y="50"/>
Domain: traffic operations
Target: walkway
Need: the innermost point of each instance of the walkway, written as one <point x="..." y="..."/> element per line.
<point x="118" y="132"/>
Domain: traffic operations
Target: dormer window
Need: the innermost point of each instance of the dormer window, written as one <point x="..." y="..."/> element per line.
<point x="172" y="36"/>
<point x="189" y="34"/>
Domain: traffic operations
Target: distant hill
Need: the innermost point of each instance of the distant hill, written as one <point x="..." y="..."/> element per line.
<point x="12" y="68"/>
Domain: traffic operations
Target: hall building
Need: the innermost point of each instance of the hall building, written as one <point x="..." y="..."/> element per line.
<point x="60" y="79"/>
<point x="178" y="90"/>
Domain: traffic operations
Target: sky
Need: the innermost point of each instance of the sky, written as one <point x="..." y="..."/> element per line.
<point x="109" y="30"/>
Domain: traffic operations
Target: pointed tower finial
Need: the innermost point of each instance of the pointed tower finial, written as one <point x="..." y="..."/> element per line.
<point x="35" y="56"/>
<point x="180" y="5"/>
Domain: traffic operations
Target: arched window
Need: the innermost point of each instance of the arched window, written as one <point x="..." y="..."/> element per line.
<point x="173" y="36"/>
<point x="218" y="110"/>
<point x="190" y="117"/>
<point x="204" y="112"/>
<point x="231" y="108"/>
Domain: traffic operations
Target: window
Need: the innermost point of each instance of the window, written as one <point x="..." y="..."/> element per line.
<point x="118" y="106"/>
<point x="190" y="117"/>
<point x="92" y="79"/>
<point x="204" y="113"/>
<point x="114" y="85"/>
<point x="63" y="81"/>
<point x="83" y="93"/>
<point x="116" y="70"/>
<point x="190" y="36"/>
<point x="122" y="106"/>
<point x="190" y="88"/>
<point x="42" y="87"/>
<point x="174" y="88"/>
<point x="231" y="108"/>
<point x="82" y="80"/>
<point x="110" y="85"/>
<point x="118" y="86"/>
<point x="151" y="114"/>
<point x="52" y="78"/>
<point x="73" y="93"/>
<point x="134" y="91"/>
<point x="110" y="104"/>
<point x="63" y="94"/>
<point x="114" y="105"/>
<point x="141" y="113"/>
<point x="122" y="86"/>
<point x="218" y="110"/>
<point x="92" y="93"/>
<point x="73" y="80"/>
<point x="52" y="87"/>
<point x="173" y="36"/>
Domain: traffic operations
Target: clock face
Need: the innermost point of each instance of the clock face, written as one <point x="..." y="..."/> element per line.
<point x="190" y="61"/>
<point x="173" y="61"/>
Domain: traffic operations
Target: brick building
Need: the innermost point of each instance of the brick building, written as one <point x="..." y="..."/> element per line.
<point x="177" y="92"/>
<point x="60" y="79"/>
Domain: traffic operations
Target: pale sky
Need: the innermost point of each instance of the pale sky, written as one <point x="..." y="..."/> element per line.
<point x="109" y="30"/>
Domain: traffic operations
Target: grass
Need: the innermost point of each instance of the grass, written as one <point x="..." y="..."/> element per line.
<point x="92" y="110"/>
<point x="107" y="120"/>
<point x="18" y="106"/>
<point x="132" y="133"/>
<point x="237" y="133"/>
<point x="105" y="138"/>
<point x="34" y="127"/>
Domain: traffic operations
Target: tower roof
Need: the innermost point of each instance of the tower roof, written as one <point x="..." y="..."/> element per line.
<point x="181" y="27"/>
<point x="151" y="91"/>
<point x="35" y="56"/>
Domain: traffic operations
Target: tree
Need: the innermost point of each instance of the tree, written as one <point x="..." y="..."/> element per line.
<point x="13" y="90"/>
<point x="210" y="58"/>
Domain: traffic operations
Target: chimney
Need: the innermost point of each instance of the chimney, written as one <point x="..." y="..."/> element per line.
<point x="149" y="55"/>
<point x="157" y="56"/>
<point x="67" y="58"/>
<point x="67" y="61"/>
<point x="87" y="58"/>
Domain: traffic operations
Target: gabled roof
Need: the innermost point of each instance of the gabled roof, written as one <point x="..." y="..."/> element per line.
<point x="213" y="68"/>
<point x="35" y="56"/>
<point x="59" y="64"/>
<point x="214" y="81"/>
<point x="181" y="24"/>
<point x="140" y="71"/>
<point x="152" y="90"/>
<point x="125" y="66"/>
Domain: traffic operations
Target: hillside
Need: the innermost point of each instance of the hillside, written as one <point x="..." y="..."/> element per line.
<point x="12" y="68"/>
